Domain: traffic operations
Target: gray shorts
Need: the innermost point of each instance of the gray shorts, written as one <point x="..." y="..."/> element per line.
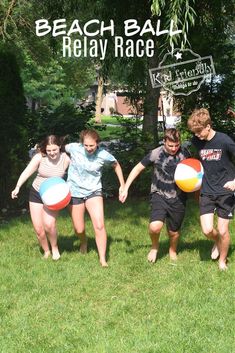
<point x="80" y="200"/>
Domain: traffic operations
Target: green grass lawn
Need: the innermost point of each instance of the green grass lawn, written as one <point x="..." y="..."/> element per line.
<point x="108" y="119"/>
<point x="74" y="305"/>
<point x="110" y="132"/>
<point x="112" y="129"/>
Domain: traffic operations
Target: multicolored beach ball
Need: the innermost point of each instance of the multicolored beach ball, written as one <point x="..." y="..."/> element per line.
<point x="188" y="175"/>
<point x="55" y="193"/>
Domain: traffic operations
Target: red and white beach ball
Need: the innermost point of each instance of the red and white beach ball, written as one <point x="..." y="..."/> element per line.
<point x="55" y="193"/>
<point x="188" y="175"/>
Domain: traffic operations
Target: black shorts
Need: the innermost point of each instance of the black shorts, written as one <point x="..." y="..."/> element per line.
<point x="80" y="200"/>
<point x="171" y="210"/>
<point x="34" y="196"/>
<point x="223" y="205"/>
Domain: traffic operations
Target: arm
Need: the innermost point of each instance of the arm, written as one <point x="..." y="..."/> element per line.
<point x="230" y="185"/>
<point x="27" y="172"/>
<point x="66" y="162"/>
<point x="118" y="170"/>
<point x="132" y="176"/>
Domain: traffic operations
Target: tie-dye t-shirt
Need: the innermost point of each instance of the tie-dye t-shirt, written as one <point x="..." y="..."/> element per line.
<point x="85" y="171"/>
<point x="164" y="166"/>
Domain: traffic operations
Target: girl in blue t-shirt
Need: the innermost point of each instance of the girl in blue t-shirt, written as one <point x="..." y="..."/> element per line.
<point x="84" y="178"/>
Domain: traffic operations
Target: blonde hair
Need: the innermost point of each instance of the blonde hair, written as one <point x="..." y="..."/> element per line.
<point x="199" y="119"/>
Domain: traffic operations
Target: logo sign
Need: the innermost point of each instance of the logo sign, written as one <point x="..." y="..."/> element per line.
<point x="182" y="72"/>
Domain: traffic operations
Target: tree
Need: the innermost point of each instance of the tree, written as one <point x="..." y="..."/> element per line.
<point x="178" y="10"/>
<point x="214" y="35"/>
<point x="13" y="133"/>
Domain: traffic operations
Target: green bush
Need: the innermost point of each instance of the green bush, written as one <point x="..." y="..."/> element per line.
<point x="129" y="148"/>
<point x="13" y="132"/>
<point x="66" y="120"/>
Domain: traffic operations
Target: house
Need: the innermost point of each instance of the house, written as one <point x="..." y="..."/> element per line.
<point x="118" y="102"/>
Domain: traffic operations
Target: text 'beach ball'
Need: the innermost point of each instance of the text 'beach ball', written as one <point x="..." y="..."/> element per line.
<point x="188" y="175"/>
<point x="55" y="193"/>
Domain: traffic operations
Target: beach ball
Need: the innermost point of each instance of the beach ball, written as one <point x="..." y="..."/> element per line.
<point x="188" y="175"/>
<point x="55" y="193"/>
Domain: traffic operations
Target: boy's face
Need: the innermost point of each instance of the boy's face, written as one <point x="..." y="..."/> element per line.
<point x="204" y="133"/>
<point x="171" y="147"/>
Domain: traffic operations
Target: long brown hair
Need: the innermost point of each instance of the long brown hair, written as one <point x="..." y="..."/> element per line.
<point x="51" y="140"/>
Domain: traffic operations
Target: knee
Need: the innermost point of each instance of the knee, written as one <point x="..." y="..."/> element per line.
<point x="50" y="227"/>
<point x="223" y="232"/>
<point x="79" y="230"/>
<point x="40" y="231"/>
<point x="208" y="231"/>
<point x="173" y="234"/>
<point x="154" y="228"/>
<point x="99" y="226"/>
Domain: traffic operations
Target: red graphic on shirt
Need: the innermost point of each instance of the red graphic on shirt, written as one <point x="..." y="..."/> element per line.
<point x="211" y="154"/>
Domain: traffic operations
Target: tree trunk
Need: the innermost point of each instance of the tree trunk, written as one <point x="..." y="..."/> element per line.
<point x="99" y="99"/>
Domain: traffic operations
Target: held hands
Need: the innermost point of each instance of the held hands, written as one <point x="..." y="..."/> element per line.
<point x="230" y="185"/>
<point x="15" y="192"/>
<point x="123" y="193"/>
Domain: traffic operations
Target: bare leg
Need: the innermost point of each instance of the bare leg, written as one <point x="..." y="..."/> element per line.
<point x="49" y="220"/>
<point x="210" y="232"/>
<point x="174" y="238"/>
<point x="154" y="232"/>
<point x="36" y="213"/>
<point x="77" y="213"/>
<point x="96" y="211"/>
<point x="223" y="228"/>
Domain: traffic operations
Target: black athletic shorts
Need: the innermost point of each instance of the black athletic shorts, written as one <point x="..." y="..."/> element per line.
<point x="34" y="196"/>
<point x="223" y="205"/>
<point x="170" y="210"/>
<point x="80" y="200"/>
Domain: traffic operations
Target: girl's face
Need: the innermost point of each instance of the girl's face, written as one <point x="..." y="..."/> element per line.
<point x="53" y="151"/>
<point x="90" y="144"/>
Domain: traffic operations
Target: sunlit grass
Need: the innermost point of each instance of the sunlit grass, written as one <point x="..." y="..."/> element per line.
<point x="107" y="119"/>
<point x="74" y="305"/>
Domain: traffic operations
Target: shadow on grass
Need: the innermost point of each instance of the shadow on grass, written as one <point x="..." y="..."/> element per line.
<point x="203" y="247"/>
<point x="72" y="244"/>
